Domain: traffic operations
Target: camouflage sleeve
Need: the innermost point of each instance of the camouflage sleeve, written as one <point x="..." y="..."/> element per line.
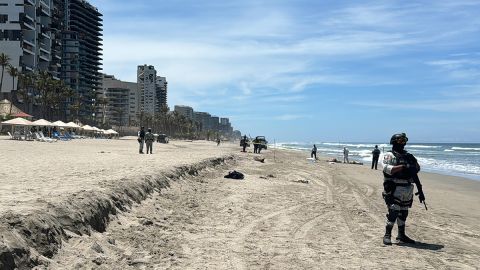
<point x="388" y="163"/>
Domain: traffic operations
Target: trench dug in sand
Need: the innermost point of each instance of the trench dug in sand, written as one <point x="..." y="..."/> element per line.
<point x="287" y="214"/>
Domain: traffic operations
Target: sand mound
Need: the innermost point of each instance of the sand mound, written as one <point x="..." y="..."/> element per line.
<point x="32" y="239"/>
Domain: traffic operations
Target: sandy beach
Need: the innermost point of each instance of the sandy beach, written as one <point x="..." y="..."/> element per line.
<point x="98" y="204"/>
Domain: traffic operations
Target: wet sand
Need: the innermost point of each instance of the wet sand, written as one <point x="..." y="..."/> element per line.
<point x="288" y="213"/>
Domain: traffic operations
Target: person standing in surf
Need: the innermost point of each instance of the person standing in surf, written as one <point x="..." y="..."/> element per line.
<point x="375" y="156"/>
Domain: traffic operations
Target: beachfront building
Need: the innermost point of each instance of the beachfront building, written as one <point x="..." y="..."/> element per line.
<point x="152" y="92"/>
<point x="146" y="83"/>
<point x="186" y="111"/>
<point x="203" y="118"/>
<point x="214" y="123"/>
<point x="82" y="53"/>
<point x="225" y="126"/>
<point x="28" y="31"/>
<point x="61" y="37"/>
<point x="113" y="101"/>
<point x="161" y="92"/>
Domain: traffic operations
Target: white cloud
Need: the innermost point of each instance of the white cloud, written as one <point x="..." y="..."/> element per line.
<point x="450" y="105"/>
<point x="291" y="117"/>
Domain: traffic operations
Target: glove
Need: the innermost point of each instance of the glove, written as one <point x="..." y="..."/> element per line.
<point x="420" y="194"/>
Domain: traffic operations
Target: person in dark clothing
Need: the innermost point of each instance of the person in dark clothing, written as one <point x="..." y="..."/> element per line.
<point x="314" y="152"/>
<point x="255" y="146"/>
<point x="244" y="143"/>
<point x="375" y="156"/>
<point x="141" y="139"/>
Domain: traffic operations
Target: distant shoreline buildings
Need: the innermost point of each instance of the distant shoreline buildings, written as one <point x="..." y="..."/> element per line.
<point x="55" y="47"/>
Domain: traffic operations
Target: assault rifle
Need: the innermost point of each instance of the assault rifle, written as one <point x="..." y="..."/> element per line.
<point x="412" y="169"/>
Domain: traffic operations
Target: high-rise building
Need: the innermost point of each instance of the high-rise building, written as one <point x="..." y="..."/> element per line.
<point x="26" y="28"/>
<point x="152" y="91"/>
<point x="204" y="119"/>
<point x="115" y="108"/>
<point x="185" y="111"/>
<point x="214" y="123"/>
<point x="147" y="87"/>
<point x="62" y="37"/>
<point x="161" y="93"/>
<point x="82" y="56"/>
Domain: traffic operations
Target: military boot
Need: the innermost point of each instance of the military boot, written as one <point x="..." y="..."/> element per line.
<point x="402" y="237"/>
<point x="388" y="235"/>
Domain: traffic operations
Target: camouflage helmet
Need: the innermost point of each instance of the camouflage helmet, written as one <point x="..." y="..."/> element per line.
<point x="399" y="136"/>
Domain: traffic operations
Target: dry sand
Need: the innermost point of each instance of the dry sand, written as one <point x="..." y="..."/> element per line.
<point x="288" y="213"/>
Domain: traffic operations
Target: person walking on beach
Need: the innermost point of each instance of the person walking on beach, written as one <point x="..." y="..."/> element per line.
<point x="218" y="141"/>
<point x="141" y="139"/>
<point x="149" y="138"/>
<point x="345" y="155"/>
<point x="314" y="152"/>
<point x="400" y="170"/>
<point x="375" y="156"/>
<point x="244" y="143"/>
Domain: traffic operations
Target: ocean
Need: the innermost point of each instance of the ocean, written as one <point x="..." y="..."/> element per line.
<point x="457" y="159"/>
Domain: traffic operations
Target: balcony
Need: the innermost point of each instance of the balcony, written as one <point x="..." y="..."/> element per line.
<point x="29" y="42"/>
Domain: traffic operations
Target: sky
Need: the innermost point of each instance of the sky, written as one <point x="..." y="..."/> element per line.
<point x="309" y="70"/>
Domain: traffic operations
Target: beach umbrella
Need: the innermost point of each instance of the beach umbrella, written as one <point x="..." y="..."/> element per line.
<point x="42" y="122"/>
<point x="96" y="129"/>
<point x="17" y="122"/>
<point x="87" y="128"/>
<point x="72" y="125"/>
<point x="111" y="131"/>
<point x="22" y="114"/>
<point x="59" y="124"/>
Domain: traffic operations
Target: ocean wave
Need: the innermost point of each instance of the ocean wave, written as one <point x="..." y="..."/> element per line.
<point x="448" y="166"/>
<point x="423" y="146"/>
<point x="466" y="148"/>
<point x="448" y="150"/>
<point x="355" y="145"/>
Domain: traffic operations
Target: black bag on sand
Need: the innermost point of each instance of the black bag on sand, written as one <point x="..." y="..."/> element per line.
<point x="234" y="175"/>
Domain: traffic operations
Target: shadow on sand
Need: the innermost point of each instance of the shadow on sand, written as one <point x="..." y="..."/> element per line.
<point x="421" y="245"/>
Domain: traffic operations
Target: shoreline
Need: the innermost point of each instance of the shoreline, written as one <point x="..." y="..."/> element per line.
<point x="468" y="176"/>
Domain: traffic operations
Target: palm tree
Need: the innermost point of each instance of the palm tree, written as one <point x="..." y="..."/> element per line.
<point x="103" y="102"/>
<point x="25" y="82"/>
<point x="13" y="71"/>
<point x="4" y="62"/>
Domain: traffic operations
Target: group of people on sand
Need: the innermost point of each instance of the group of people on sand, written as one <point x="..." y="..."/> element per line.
<point x="400" y="170"/>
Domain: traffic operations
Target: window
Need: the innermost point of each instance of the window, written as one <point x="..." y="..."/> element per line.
<point x="3" y="18"/>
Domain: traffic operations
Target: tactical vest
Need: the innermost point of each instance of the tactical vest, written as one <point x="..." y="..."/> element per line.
<point x="402" y="159"/>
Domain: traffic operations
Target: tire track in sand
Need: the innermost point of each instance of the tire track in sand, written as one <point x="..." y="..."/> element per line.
<point x="360" y="197"/>
<point x="238" y="243"/>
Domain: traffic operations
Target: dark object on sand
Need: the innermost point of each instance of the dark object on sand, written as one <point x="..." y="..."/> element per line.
<point x="301" y="181"/>
<point x="334" y="160"/>
<point x="261" y="159"/>
<point x="234" y="175"/>
<point x="356" y="162"/>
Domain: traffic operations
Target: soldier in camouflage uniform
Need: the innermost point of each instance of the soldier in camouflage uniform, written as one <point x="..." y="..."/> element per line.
<point x="400" y="170"/>
<point x="149" y="138"/>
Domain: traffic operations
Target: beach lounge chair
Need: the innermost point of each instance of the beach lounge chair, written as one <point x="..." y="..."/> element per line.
<point x="10" y="134"/>
<point x="45" y="139"/>
<point x="57" y="135"/>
